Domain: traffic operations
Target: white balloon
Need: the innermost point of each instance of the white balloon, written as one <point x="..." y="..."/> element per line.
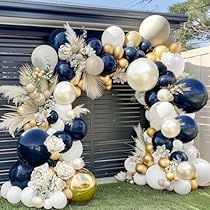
<point x="140" y="97"/>
<point x="181" y="186"/>
<point x="165" y="95"/>
<point x="159" y="112"/>
<point x="153" y="174"/>
<point x="170" y="128"/>
<point x="191" y="152"/>
<point x="177" y="145"/>
<point x="38" y="202"/>
<point x="142" y="74"/>
<point x="26" y="197"/>
<point x="47" y="204"/>
<point x="74" y="152"/>
<point x="147" y="138"/>
<point x="64" y="93"/>
<point x="59" y="125"/>
<point x="13" y="194"/>
<point x="203" y="171"/>
<point x="58" y="200"/>
<point x="44" y="56"/>
<point x="4" y="189"/>
<point x="147" y="115"/>
<point x="94" y="65"/>
<point x="155" y="29"/>
<point x="139" y="179"/>
<point x="78" y="163"/>
<point x="51" y="131"/>
<point x="174" y="62"/>
<point x="113" y="35"/>
<point x="130" y="165"/>
<point x="62" y="111"/>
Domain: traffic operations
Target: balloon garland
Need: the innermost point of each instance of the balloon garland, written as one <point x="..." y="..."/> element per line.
<point x="50" y="171"/>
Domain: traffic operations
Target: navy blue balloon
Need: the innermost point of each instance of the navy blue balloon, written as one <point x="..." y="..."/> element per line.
<point x="194" y="99"/>
<point x="145" y="46"/>
<point x="66" y="139"/>
<point x="20" y="174"/>
<point x="52" y="163"/>
<point x="130" y="53"/>
<point x="178" y="155"/>
<point x="160" y="140"/>
<point x="166" y="79"/>
<point x="77" y="129"/>
<point x="31" y="147"/>
<point x="57" y="38"/>
<point x="64" y="71"/>
<point x="161" y="67"/>
<point x="109" y="64"/>
<point x="95" y="44"/>
<point x="151" y="97"/>
<point x="140" y="54"/>
<point x="189" y="129"/>
<point x="52" y="117"/>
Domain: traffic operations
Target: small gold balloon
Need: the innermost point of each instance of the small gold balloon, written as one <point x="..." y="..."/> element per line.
<point x="78" y="91"/>
<point x="175" y="47"/>
<point x="159" y="50"/>
<point x="185" y="170"/>
<point x="32" y="123"/>
<point x="170" y="176"/>
<point x="148" y="160"/>
<point x="108" y="48"/>
<point x="105" y="79"/>
<point x="118" y="52"/>
<point x="151" y="132"/>
<point x="68" y="193"/>
<point x="123" y="63"/>
<point x="44" y="125"/>
<point x="80" y="85"/>
<point x="134" y="37"/>
<point x="194" y="184"/>
<point x="82" y="186"/>
<point x="26" y="126"/>
<point x="149" y="148"/>
<point x="20" y="110"/>
<point x="151" y="56"/>
<point x="141" y="168"/>
<point x="109" y="82"/>
<point x="55" y="156"/>
<point x="163" y="162"/>
<point x="108" y="87"/>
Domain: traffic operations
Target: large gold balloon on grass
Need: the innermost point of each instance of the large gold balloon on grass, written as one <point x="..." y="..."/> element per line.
<point x="82" y="186"/>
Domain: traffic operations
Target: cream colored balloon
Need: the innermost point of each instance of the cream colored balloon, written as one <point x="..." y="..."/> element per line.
<point x="142" y="74"/>
<point x="165" y="95"/>
<point x="64" y="93"/>
<point x="94" y="65"/>
<point x="170" y="128"/>
<point x="155" y="29"/>
<point x="186" y="170"/>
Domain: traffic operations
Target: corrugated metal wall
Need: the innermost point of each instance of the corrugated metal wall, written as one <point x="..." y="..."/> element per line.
<point x="198" y="65"/>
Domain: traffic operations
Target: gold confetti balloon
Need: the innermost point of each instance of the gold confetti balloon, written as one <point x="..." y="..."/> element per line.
<point x="108" y="48"/>
<point x="118" y="52"/>
<point x="82" y="186"/>
<point x="133" y="37"/>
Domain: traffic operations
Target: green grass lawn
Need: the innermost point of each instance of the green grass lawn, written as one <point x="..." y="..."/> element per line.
<point x="119" y="196"/>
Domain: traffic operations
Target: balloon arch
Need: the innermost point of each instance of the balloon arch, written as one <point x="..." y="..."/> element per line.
<point x="50" y="171"/>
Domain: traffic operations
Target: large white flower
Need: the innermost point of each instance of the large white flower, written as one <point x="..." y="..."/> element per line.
<point x="64" y="170"/>
<point x="54" y="144"/>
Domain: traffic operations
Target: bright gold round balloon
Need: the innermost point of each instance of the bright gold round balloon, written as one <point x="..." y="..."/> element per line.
<point x="105" y="79"/>
<point x="108" y="48"/>
<point x="163" y="162"/>
<point x="170" y="176"/>
<point x="141" y="168"/>
<point x="159" y="50"/>
<point x="82" y="186"/>
<point x="194" y="184"/>
<point x="185" y="170"/>
<point x="148" y="160"/>
<point x="175" y="47"/>
<point x="123" y="63"/>
<point x="149" y="148"/>
<point x="134" y="37"/>
<point x="151" y="132"/>
<point x="109" y="87"/>
<point x="109" y="82"/>
<point x="118" y="52"/>
<point x="151" y="56"/>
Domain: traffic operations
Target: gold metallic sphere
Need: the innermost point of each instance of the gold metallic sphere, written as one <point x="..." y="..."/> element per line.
<point x="170" y="176"/>
<point x="134" y="37"/>
<point x="175" y="47"/>
<point x="148" y="160"/>
<point x="108" y="87"/>
<point x="194" y="184"/>
<point x="78" y="91"/>
<point x="163" y="162"/>
<point x="32" y="123"/>
<point x="108" y="48"/>
<point x="118" y="52"/>
<point x="105" y="79"/>
<point x="82" y="186"/>
<point x="151" y="56"/>
<point x="44" y="125"/>
<point x="68" y="193"/>
<point x="80" y="85"/>
<point x="149" y="148"/>
<point x="151" y="132"/>
<point x="109" y="82"/>
<point x="123" y="63"/>
<point x="20" y="110"/>
<point x="26" y="127"/>
<point x="185" y="170"/>
<point x="141" y="168"/>
<point x="55" y="156"/>
<point x="159" y="50"/>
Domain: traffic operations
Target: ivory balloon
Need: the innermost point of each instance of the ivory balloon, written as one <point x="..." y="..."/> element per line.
<point x="191" y="152"/>
<point x="44" y="56"/>
<point x="155" y="29"/>
<point x="170" y="128"/>
<point x="139" y="179"/>
<point x="186" y="170"/>
<point x="13" y="194"/>
<point x="64" y="93"/>
<point x="58" y="200"/>
<point x="26" y="197"/>
<point x="142" y="74"/>
<point x="140" y="97"/>
<point x="177" y="145"/>
<point x="164" y="95"/>
<point x="153" y="175"/>
<point x="4" y="189"/>
<point x="62" y="111"/>
<point x="113" y="35"/>
<point x="47" y="204"/>
<point x="94" y="65"/>
<point x="59" y="125"/>
<point x="181" y="186"/>
<point x="174" y="62"/>
<point x="74" y="152"/>
<point x="78" y="163"/>
<point x="130" y="165"/>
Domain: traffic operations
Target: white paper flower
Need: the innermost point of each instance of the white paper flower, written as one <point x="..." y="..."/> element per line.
<point x="119" y="76"/>
<point x="64" y="170"/>
<point x="57" y="184"/>
<point x="64" y="52"/>
<point x="54" y="144"/>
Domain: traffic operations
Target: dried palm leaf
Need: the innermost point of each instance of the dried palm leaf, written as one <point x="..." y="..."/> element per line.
<point x="78" y="110"/>
<point x="53" y="83"/>
<point x="70" y="34"/>
<point x="92" y="85"/>
<point x="25" y="72"/>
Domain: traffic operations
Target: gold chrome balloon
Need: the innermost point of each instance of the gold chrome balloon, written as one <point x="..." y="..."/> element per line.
<point x="78" y="91"/>
<point x="55" y="156"/>
<point x="82" y="186"/>
<point x="108" y="48"/>
<point x="194" y="184"/>
<point x="105" y="79"/>
<point x="109" y="82"/>
<point x="123" y="63"/>
<point x="159" y="50"/>
<point x="149" y="148"/>
<point x="141" y="168"/>
<point x="170" y="176"/>
<point x="68" y="193"/>
<point x="175" y="47"/>
<point x="163" y="162"/>
<point x="118" y="52"/>
<point x="151" y="132"/>
<point x="134" y="37"/>
<point x="148" y="160"/>
<point x="151" y="56"/>
<point x="27" y="126"/>
<point x="185" y="170"/>
<point x="108" y="87"/>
